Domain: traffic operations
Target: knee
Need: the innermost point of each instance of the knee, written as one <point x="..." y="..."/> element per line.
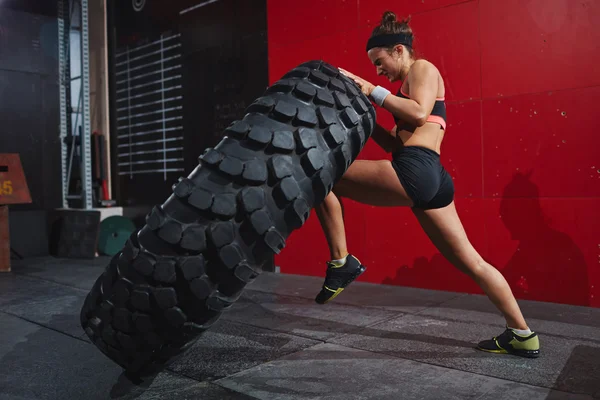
<point x="338" y="189"/>
<point x="476" y="268"/>
<point x="479" y="269"/>
<point x="331" y="200"/>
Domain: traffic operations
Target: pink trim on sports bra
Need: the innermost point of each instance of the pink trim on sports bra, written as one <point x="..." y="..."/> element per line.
<point x="438" y="120"/>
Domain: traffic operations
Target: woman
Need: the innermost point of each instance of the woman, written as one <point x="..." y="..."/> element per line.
<point x="414" y="178"/>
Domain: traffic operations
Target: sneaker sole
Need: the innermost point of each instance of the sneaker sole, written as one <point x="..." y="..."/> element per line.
<point x="360" y="271"/>
<point x="520" y="353"/>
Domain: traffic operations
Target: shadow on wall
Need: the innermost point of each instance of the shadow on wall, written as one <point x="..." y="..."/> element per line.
<point x="436" y="273"/>
<point x="547" y="265"/>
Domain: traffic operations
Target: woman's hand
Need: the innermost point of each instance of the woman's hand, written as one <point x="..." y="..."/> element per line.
<point x="365" y="86"/>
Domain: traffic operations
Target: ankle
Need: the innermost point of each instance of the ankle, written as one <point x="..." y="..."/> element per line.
<point x="521" y="332"/>
<point x="339" y="254"/>
<point x="517" y="325"/>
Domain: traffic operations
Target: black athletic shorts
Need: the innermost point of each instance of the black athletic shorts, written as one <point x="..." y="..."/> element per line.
<point x="423" y="177"/>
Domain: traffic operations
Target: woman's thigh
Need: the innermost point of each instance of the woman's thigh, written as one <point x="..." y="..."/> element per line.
<point x="374" y="183"/>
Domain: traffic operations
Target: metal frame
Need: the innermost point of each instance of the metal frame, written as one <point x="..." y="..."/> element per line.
<point x="65" y="14"/>
<point x="86" y="140"/>
<point x="111" y="44"/>
<point x="64" y="77"/>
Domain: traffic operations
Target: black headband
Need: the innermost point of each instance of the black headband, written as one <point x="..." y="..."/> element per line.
<point x="388" y="40"/>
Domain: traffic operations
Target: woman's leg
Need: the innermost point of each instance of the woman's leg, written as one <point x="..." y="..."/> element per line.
<point x="446" y="231"/>
<point x="331" y="217"/>
<point x="369" y="182"/>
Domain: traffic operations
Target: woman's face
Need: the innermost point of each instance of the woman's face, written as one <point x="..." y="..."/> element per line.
<point x="388" y="65"/>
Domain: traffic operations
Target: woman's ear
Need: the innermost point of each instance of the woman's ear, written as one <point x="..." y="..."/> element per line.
<point x="399" y="49"/>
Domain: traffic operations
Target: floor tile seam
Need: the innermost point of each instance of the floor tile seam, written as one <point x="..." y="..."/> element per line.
<point x="32" y="277"/>
<point x="218" y="383"/>
<point x="445" y="367"/>
<point x="539" y="332"/>
<point x="484" y="394"/>
<point x="186" y="376"/>
<point x="368" y="326"/>
<point x="343" y="303"/>
<point x="333" y="304"/>
<point x="270" y="312"/>
<point x="441" y="303"/>
<point x="43" y="326"/>
<point x="273" y="330"/>
<point x="319" y="342"/>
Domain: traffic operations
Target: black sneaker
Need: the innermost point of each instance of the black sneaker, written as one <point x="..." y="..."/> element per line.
<point x="338" y="277"/>
<point x="511" y="343"/>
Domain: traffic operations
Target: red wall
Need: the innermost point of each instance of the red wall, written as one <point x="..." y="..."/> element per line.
<point x="521" y="144"/>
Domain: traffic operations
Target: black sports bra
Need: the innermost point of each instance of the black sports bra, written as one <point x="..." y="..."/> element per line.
<point x="437" y="115"/>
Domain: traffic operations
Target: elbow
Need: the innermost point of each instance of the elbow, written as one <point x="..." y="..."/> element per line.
<point x="420" y="118"/>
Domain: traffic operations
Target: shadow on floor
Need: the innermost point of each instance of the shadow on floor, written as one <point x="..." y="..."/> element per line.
<point x="581" y="373"/>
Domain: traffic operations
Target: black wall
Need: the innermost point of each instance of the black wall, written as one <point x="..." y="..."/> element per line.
<point x="29" y="96"/>
<point x="225" y="68"/>
<point x="37" y="7"/>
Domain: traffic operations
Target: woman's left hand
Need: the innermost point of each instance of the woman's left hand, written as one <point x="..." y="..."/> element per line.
<point x="365" y="86"/>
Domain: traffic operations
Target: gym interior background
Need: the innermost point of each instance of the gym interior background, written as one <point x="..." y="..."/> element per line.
<point x="165" y="79"/>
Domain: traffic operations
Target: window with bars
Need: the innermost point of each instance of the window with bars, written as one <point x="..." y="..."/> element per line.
<point x="149" y="108"/>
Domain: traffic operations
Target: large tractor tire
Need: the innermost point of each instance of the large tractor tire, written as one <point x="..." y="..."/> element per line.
<point x="198" y="250"/>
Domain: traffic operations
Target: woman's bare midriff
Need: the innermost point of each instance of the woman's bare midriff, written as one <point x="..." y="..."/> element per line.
<point x="429" y="135"/>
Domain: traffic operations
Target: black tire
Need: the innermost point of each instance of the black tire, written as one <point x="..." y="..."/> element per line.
<point x="198" y="250"/>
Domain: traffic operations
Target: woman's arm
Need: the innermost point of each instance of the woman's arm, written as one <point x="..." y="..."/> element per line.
<point x="423" y="83"/>
<point x="386" y="139"/>
<point x="387" y="133"/>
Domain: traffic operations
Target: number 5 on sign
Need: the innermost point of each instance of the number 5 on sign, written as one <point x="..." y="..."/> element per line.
<point x="13" y="186"/>
<point x="6" y="188"/>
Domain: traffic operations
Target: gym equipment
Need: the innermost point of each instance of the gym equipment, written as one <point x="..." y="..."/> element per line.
<point x="197" y="251"/>
<point x="114" y="232"/>
<point x="74" y="233"/>
<point x="13" y="190"/>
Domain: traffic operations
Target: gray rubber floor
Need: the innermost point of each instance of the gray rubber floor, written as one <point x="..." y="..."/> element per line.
<point x="374" y="342"/>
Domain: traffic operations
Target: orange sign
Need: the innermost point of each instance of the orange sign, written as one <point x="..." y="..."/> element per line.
<point x="13" y="186"/>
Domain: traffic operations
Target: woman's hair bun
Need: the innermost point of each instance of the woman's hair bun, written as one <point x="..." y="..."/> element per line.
<point x="389" y="16"/>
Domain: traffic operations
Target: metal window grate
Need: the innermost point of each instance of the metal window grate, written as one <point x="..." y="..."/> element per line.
<point x="149" y="108"/>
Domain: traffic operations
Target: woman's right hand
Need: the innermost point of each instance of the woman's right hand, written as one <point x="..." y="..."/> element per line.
<point x="365" y="86"/>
